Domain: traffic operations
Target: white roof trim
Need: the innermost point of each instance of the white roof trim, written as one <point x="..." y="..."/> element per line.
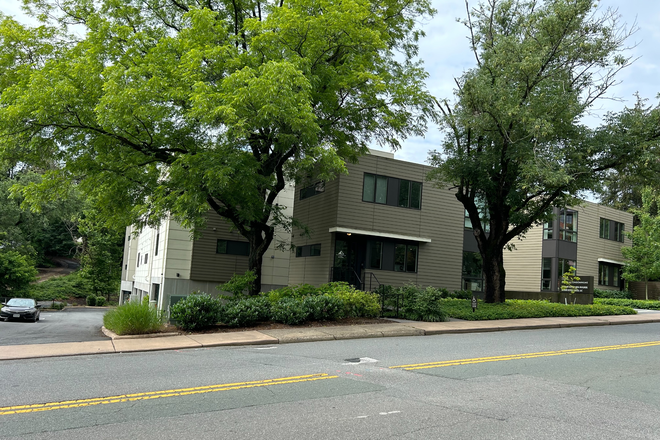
<point x="379" y="234"/>
<point x="605" y="260"/>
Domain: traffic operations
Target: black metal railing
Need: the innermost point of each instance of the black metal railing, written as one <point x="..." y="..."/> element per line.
<point x="346" y="274"/>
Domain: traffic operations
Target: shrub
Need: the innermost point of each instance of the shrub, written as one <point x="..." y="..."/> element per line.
<point x="133" y="318"/>
<point x="619" y="294"/>
<point x="91" y="300"/>
<point x="424" y="304"/>
<point x="634" y="303"/>
<point x="357" y="304"/>
<point x="245" y="312"/>
<point x="461" y="294"/>
<point x="289" y="311"/>
<point x="298" y="292"/>
<point x="72" y="285"/>
<point x="323" y="307"/>
<point x="196" y="312"/>
<point x="57" y="305"/>
<point x="100" y="301"/>
<point x="238" y="284"/>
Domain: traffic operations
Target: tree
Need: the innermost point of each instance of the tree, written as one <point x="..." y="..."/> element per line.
<point x="16" y="272"/>
<point x="514" y="146"/>
<point x="174" y="107"/>
<point x="644" y="256"/>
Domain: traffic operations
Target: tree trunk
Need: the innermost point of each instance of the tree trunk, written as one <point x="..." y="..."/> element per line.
<point x="260" y="240"/>
<point x="255" y="263"/>
<point x="495" y="276"/>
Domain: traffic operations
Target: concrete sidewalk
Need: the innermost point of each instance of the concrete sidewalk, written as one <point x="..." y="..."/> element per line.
<point x="125" y="344"/>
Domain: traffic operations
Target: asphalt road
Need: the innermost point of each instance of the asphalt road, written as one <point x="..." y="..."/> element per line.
<point x="571" y="383"/>
<point x="68" y="325"/>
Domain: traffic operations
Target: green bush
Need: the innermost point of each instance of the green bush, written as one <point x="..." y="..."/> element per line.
<point x="513" y="308"/>
<point x="91" y="300"/>
<point x="196" y="312"/>
<point x="298" y="292"/>
<point x="289" y="311"/>
<point x="424" y="304"/>
<point x="100" y="301"/>
<point x="72" y="285"/>
<point x="634" y="303"/>
<point x="57" y="305"/>
<point x="323" y="307"/>
<point x="245" y="312"/>
<point x="357" y="304"/>
<point x="133" y="318"/>
<point x="619" y="294"/>
<point x="461" y="294"/>
<point x="238" y="284"/>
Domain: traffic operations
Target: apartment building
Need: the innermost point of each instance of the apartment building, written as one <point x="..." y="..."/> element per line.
<point x="164" y="262"/>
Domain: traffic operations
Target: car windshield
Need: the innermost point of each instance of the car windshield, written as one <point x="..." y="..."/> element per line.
<point x="20" y="302"/>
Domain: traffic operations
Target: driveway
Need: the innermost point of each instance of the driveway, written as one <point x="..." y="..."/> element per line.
<point x="69" y="325"/>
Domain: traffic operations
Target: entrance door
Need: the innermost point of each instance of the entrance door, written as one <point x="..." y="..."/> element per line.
<point x="349" y="260"/>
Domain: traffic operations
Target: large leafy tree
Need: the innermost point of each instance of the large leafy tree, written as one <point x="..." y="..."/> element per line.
<point x="644" y="256"/>
<point x="514" y="145"/>
<point x="178" y="106"/>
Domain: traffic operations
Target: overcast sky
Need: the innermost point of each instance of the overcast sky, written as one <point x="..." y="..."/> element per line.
<point x="446" y="55"/>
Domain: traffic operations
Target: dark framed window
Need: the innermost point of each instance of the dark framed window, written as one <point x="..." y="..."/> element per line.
<point x="157" y="240"/>
<point x="392" y="191"/>
<point x="375" y="254"/>
<point x="310" y="250"/>
<point x="405" y="257"/>
<point x="472" y="272"/>
<point x="546" y="274"/>
<point x="138" y="260"/>
<point x="618" y="231"/>
<point x="609" y="274"/>
<point x="568" y="225"/>
<point x="231" y="247"/>
<point x="611" y="230"/>
<point x="312" y="190"/>
<point x="146" y="258"/>
<point x="564" y="265"/>
<point x="604" y="228"/>
<point x="483" y="215"/>
<point x="547" y="231"/>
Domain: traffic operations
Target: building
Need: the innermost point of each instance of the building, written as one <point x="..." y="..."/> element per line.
<point x="165" y="262"/>
<point x="380" y="224"/>
<point x="383" y="223"/>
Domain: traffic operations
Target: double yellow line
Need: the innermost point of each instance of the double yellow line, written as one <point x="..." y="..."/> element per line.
<point x="523" y="356"/>
<point x="22" y="409"/>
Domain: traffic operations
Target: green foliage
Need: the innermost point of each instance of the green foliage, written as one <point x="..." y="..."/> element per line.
<point x="72" y="285"/>
<point x="238" y="284"/>
<point x="227" y="100"/>
<point x="133" y="318"/>
<point x="323" y="307"/>
<point x="634" y="303"/>
<point x="289" y="311"/>
<point x="461" y="294"/>
<point x="643" y="258"/>
<point x="245" y="312"/>
<point x="91" y="300"/>
<point x="568" y="281"/>
<point x="100" y="301"/>
<point x="357" y="304"/>
<point x="57" y="305"/>
<point x="16" y="272"/>
<point x="621" y="294"/>
<point x="197" y="311"/>
<point x="424" y="304"/>
<point x="512" y="309"/>
<point x="515" y="145"/>
<point x="300" y="291"/>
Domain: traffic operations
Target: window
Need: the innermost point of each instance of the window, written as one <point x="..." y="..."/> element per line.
<point x="609" y="274"/>
<point x="391" y="191"/>
<point x="157" y="240"/>
<point x="405" y="258"/>
<point x="310" y="250"/>
<point x="604" y="228"/>
<point x="230" y="247"/>
<point x="611" y="230"/>
<point x="547" y="231"/>
<point x="138" y="260"/>
<point x="564" y="266"/>
<point x="483" y="215"/>
<point x="568" y="225"/>
<point x="312" y="190"/>
<point x="375" y="254"/>
<point x="546" y="274"/>
<point x="146" y="258"/>
<point x="472" y="268"/>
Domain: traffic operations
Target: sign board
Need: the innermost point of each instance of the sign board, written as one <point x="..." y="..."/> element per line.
<point x="585" y="285"/>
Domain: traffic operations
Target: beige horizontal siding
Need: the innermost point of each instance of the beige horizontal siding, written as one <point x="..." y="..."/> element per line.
<point x="523" y="264"/>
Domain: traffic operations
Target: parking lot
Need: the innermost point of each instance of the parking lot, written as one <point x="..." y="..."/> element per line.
<point x="75" y="324"/>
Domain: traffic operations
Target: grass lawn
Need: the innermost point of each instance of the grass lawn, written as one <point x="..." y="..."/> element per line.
<point x="513" y="308"/>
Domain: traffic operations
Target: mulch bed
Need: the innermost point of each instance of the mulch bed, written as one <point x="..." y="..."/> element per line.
<point x="277" y="325"/>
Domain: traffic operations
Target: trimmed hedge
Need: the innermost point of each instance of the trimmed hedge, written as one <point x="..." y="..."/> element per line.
<point x="621" y="294"/>
<point x="196" y="311"/>
<point x="514" y="308"/>
<point x="634" y="303"/>
<point x="245" y="312"/>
